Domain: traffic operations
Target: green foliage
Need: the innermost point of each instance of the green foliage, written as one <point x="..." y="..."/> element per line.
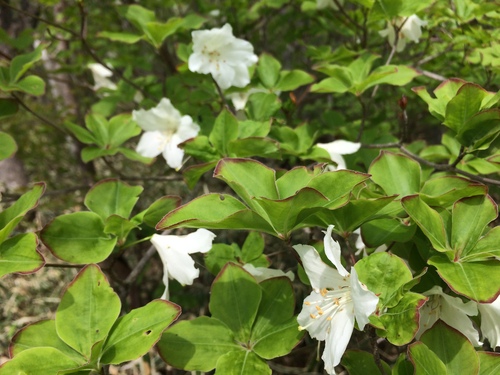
<point x="250" y="322"/>
<point x="86" y="332"/>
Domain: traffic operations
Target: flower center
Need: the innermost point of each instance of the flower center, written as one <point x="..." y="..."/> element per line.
<point x="333" y="301"/>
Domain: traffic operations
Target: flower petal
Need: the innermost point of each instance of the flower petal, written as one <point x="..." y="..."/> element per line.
<point x="337" y="339"/>
<point x="152" y="144"/>
<point x="364" y="301"/>
<point x="320" y="275"/>
<point x="263" y="273"/>
<point x="163" y="117"/>
<point x="490" y="321"/>
<point x="332" y="251"/>
<point x="317" y="325"/>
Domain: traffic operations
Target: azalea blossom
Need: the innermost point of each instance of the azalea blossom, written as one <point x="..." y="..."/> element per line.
<point x="338" y="148"/>
<point x="451" y="310"/>
<point x="410" y="30"/>
<point x="490" y="321"/>
<point x="220" y="53"/>
<point x="174" y="253"/>
<point x="101" y="74"/>
<point x="338" y="298"/>
<point x="165" y="129"/>
<point x="263" y="273"/>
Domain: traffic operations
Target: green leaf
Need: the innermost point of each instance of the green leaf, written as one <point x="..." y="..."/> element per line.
<point x="235" y="300"/>
<point x="396" y="174"/>
<point x="362" y="363"/>
<point x="157" y="31"/>
<point x="252" y="146"/>
<point x="293" y="79"/>
<point x="381" y="231"/>
<point x="403" y="366"/>
<point x="468" y="279"/>
<point x="425" y="361"/>
<point x="19" y="255"/>
<point x="465" y="104"/>
<point x="98" y="126"/>
<point x="20" y="64"/>
<point x="385" y="275"/>
<point x="452" y="348"/>
<point x="42" y="334"/>
<point x="41" y="360"/>
<point x="193" y="173"/>
<point x="82" y="134"/>
<point x="470" y="217"/>
<point x="134" y="334"/>
<point x="219" y="255"/>
<point x="112" y="197"/>
<point x="340" y="81"/>
<point x="160" y="208"/>
<point x="87" y="311"/>
<point x="489" y="363"/>
<point x="248" y="178"/>
<point x="401" y="321"/>
<point x="196" y="345"/>
<point x="8" y="146"/>
<point x="241" y="362"/>
<point x="261" y="106"/>
<point x="91" y="153"/>
<point x="354" y="213"/>
<point x="78" y="238"/>
<point x="128" y="38"/>
<point x="442" y="95"/>
<point x="32" y="85"/>
<point x="275" y="331"/>
<point x="118" y="226"/>
<point x="121" y="128"/>
<point x="215" y="211"/>
<point x="445" y="190"/>
<point x="224" y="131"/>
<point x="253" y="247"/>
<point x="288" y="214"/>
<point x="389" y="74"/>
<point x="139" y="16"/>
<point x="268" y="70"/>
<point x="11" y="216"/>
<point x="486" y="247"/>
<point x="249" y="128"/>
<point x="480" y="130"/>
<point x="428" y="220"/>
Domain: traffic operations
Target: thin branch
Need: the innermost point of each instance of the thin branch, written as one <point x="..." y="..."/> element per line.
<point x="43" y="20"/>
<point x="140" y="266"/>
<point x="221" y="94"/>
<point x="364" y="113"/>
<point x="60" y="265"/>
<point x="40" y="117"/>
<point x="347" y="16"/>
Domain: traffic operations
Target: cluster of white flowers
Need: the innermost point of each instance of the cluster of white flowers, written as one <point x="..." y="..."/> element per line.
<point x="409" y="29"/>
<point x="217" y="52"/>
<point x="101" y="76"/>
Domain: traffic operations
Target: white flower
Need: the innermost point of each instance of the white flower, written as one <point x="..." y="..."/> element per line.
<point x="336" y="300"/>
<point x="263" y="273"/>
<point x="451" y="310"/>
<point x="361" y="247"/>
<point x="174" y="253"/>
<point x="164" y="129"/>
<point x="490" y="321"/>
<point x="338" y="148"/>
<point x="226" y="57"/>
<point x="411" y="30"/>
<point x="101" y="74"/>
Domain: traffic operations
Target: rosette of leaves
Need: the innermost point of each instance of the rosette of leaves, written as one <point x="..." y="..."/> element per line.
<point x="272" y="204"/>
<point x="87" y="332"/>
<point x="250" y="323"/>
